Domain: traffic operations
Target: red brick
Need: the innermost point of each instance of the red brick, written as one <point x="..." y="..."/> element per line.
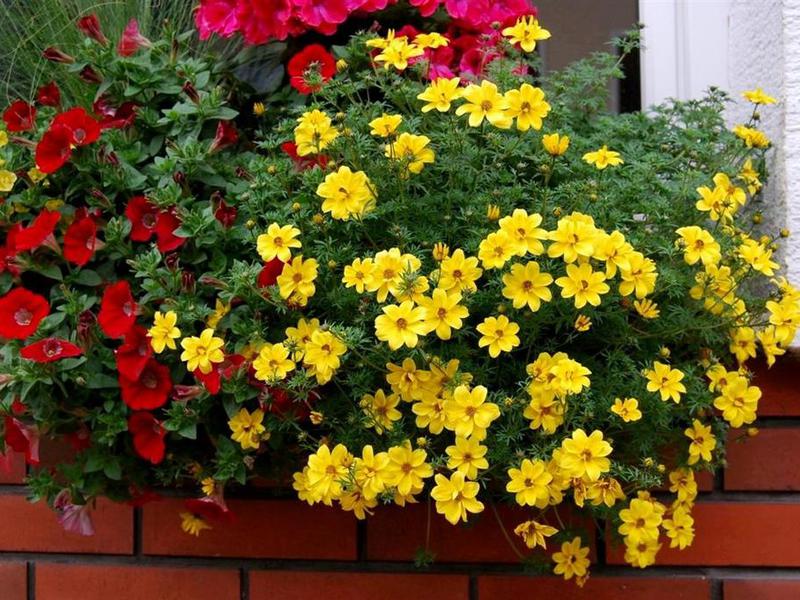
<point x="781" y="396"/>
<point x="30" y="527"/>
<point x="262" y="529"/>
<point x="13" y="581"/>
<point x="736" y="534"/>
<point x="503" y="587"/>
<point x="764" y="462"/>
<point x="16" y="473"/>
<point x="294" y="585"/>
<point x="84" y="582"/>
<point x="760" y="589"/>
<point x="396" y="534"/>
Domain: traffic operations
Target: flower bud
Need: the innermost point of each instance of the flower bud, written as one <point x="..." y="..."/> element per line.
<point x="89" y="75"/>
<point x="179" y="177"/>
<point x="259" y="108"/>
<point x="90" y="27"/>
<point x="191" y="91"/>
<point x="188" y="282"/>
<point x="55" y="55"/>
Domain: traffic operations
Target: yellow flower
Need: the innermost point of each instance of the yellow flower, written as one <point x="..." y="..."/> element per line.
<point x="278" y="242"/>
<point x="4" y="139"/>
<point x="209" y="486"/>
<point x="585" y="456"/>
<point x="605" y="490"/>
<point x="455" y="497"/>
<point x="530" y="483"/>
<point x="467" y="456"/>
<point x="583" y="284"/>
<point x="36" y="175"/>
<point x="582" y="323"/>
<point x="544" y="410"/>
<point x="440" y="94"/>
<point x="499" y="334"/>
<point x="496" y="249"/>
<point x="323" y="353"/>
<point x="357" y="273"/>
<point x="407" y="380"/>
<point x="603" y="158"/>
<point x="259" y="109"/>
<point x="341" y="65"/>
<point x="220" y="310"/>
<point x="738" y="401"/>
<point x="440" y="251"/>
<point x="346" y="194"/>
<point x="526" y="32"/>
<point x="492" y="212"/>
<point x="568" y="376"/>
<point x="411" y="150"/>
<point x="698" y="245"/>
<point x="683" y="484"/>
<point x="247" y="428"/>
<point x="702" y="442"/>
<point x="202" y="352"/>
<point x="716" y="202"/>
<point x="163" y="333"/>
<point x="666" y="381"/>
<point x="647" y="309"/>
<point x="398" y="52"/>
<point x="443" y="313"/>
<point x="192" y="524"/>
<point x="401" y="325"/>
<point x="640" y="278"/>
<point x="296" y="280"/>
<point x="385" y="125"/>
<point x="326" y="471"/>
<point x="273" y="363"/>
<point x="387" y="273"/>
<point x="459" y="272"/>
<point x="555" y="144"/>
<point x="572" y="560"/>
<point x="573" y="238"/>
<point x="353" y="499"/>
<point x="526" y="285"/>
<point x="407" y="468"/>
<point x="485" y="102"/>
<point x="627" y="409"/>
<point x="641" y="554"/>
<point x="640" y="521"/>
<point x="7" y="180"/>
<point x="758" y="96"/>
<point x="371" y="472"/>
<point x="314" y="133"/>
<point x="679" y="529"/>
<point x="431" y="40"/>
<point x="528" y="106"/>
<point x="771" y="344"/>
<point x="468" y="413"/>
<point x="534" y="534"/>
<point x="298" y="337"/>
<point x="752" y="137"/>
<point x="381" y="410"/>
<point x="524" y="231"/>
<point x="758" y="256"/>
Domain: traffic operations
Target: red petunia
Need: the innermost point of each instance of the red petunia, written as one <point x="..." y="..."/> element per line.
<point x="117" y="310"/>
<point x="83" y="127"/>
<point x="148" y="391"/>
<point x="54" y="149"/>
<point x="225" y="214"/>
<point x="310" y="68"/>
<point x="114" y="117"/>
<point x="19" y="116"/>
<point x="166" y="224"/>
<point x="143" y="216"/>
<point x="132" y="40"/>
<point x="80" y="241"/>
<point x="34" y="235"/>
<point x="303" y="162"/>
<point x="132" y="356"/>
<point x="21" y="311"/>
<point x="212" y="381"/>
<point x="148" y="436"/>
<point x="23" y="439"/>
<point x="269" y="274"/>
<point x="50" y="350"/>
<point x="210" y="508"/>
<point x="89" y="25"/>
<point x="49" y="95"/>
<point x="226" y="135"/>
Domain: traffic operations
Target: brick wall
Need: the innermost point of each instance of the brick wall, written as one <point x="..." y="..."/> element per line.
<point x="747" y="545"/>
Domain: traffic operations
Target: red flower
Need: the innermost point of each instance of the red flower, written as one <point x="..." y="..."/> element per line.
<point x="143" y="217"/>
<point x="117" y="310"/>
<point x="54" y="149"/>
<point x="225" y="214"/>
<point x="7" y="256"/>
<point x="80" y="241"/>
<point x="83" y="127"/>
<point x="20" y="116"/>
<point x="50" y="350"/>
<point x="269" y="274"/>
<point x="90" y="27"/>
<point x="79" y="440"/>
<point x="23" y="439"/>
<point x="114" y="117"/>
<point x="212" y="509"/>
<point x="226" y="135"/>
<point x="55" y="55"/>
<point x="310" y="68"/>
<point x="148" y="391"/>
<point x="166" y="224"/>
<point x="132" y="356"/>
<point x="225" y="370"/>
<point x="21" y="311"/>
<point x="302" y="163"/>
<point x="49" y="95"/>
<point x="34" y="235"/>
<point x="148" y="436"/>
<point x="132" y="40"/>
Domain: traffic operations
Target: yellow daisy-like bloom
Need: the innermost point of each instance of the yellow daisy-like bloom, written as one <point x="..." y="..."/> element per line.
<point x="555" y="144"/>
<point x="326" y="470"/>
<point x="582" y="323"/>
<point x="273" y="363"/>
<point x="743" y="343"/>
<point x="407" y="380"/>
<point x="401" y="325"/>
<point x="572" y="560"/>
<point x="371" y="471"/>
<point x="398" y="52"/>
<point x="585" y="455"/>
<point x="354" y="500"/>
<point x="568" y="376"/>
<point x="647" y="309"/>
<point x="666" y="381"/>
<point x="758" y="96"/>
<point x="605" y="490"/>
<point x="524" y="231"/>
<point x="574" y="238"/>
<point x="758" y="256"/>
<point x="738" y="402"/>
<point x="467" y="412"/>
<point x="385" y="125"/>
<point x="627" y="409"/>
<point x="750" y="176"/>
<point x="381" y="410"/>
<point x="430" y="413"/>
<point x="640" y="278"/>
<point x="407" y="469"/>
<point x="467" y="456"/>
<point x="682" y="483"/>
<point x="203" y="351"/>
<point x="220" y="310"/>
<point x="36" y="175"/>
<point x="357" y="273"/>
<point x="314" y="133"/>
<point x="679" y="529"/>
<point x="192" y="524"/>
<point x="412" y="150"/>
<point x="527" y="285"/>
<point x="526" y="32"/>
<point x="297" y="337"/>
<point x="752" y="137"/>
<point x="702" y="442"/>
<point x="530" y="483"/>
<point x="544" y="411"/>
<point x="346" y="194"/>
<point x="163" y="333"/>
<point x="440" y="94"/>
<point x="248" y="428"/>
<point x="7" y="180"/>
<point x="296" y="280"/>
<point x="641" y="554"/>
<point x="496" y="249"/>
<point x="459" y="272"/>
<point x="603" y="157"/>
<point x="499" y="334"/>
<point x="443" y="313"/>
<point x="323" y="352"/>
<point x="640" y="521"/>
<point x="387" y="274"/>
<point x="456" y="497"/>
<point x="278" y="242"/>
<point x="528" y="106"/>
<point x="431" y="40"/>
<point x="484" y="101"/>
<point x="698" y="245"/>
<point x="209" y="486"/>
<point x="534" y="534"/>
<point x="583" y="284"/>
<point x="716" y="202"/>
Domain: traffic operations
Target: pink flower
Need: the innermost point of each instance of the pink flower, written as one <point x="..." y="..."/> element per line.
<point x="23" y="439"/>
<point x="426" y="7"/>
<point x="75" y="518"/>
<point x="132" y="40"/>
<point x="216" y="16"/>
<point x="264" y="20"/>
<point x="324" y="15"/>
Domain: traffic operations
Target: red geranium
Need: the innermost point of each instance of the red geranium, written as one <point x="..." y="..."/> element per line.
<point x="20" y="116"/>
<point x="23" y="439"/>
<point x="132" y="40"/>
<point x="50" y="350"/>
<point x="54" y="149"/>
<point x="148" y="436"/>
<point x="143" y="216"/>
<point x="133" y="354"/>
<point x="166" y="224"/>
<point x="310" y="68"/>
<point x="21" y="311"/>
<point x="269" y="274"/>
<point x="49" y="95"/>
<point x="303" y="162"/>
<point x="84" y="129"/>
<point x="80" y="241"/>
<point x="34" y="235"/>
<point x="117" y="310"/>
<point x="148" y="391"/>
